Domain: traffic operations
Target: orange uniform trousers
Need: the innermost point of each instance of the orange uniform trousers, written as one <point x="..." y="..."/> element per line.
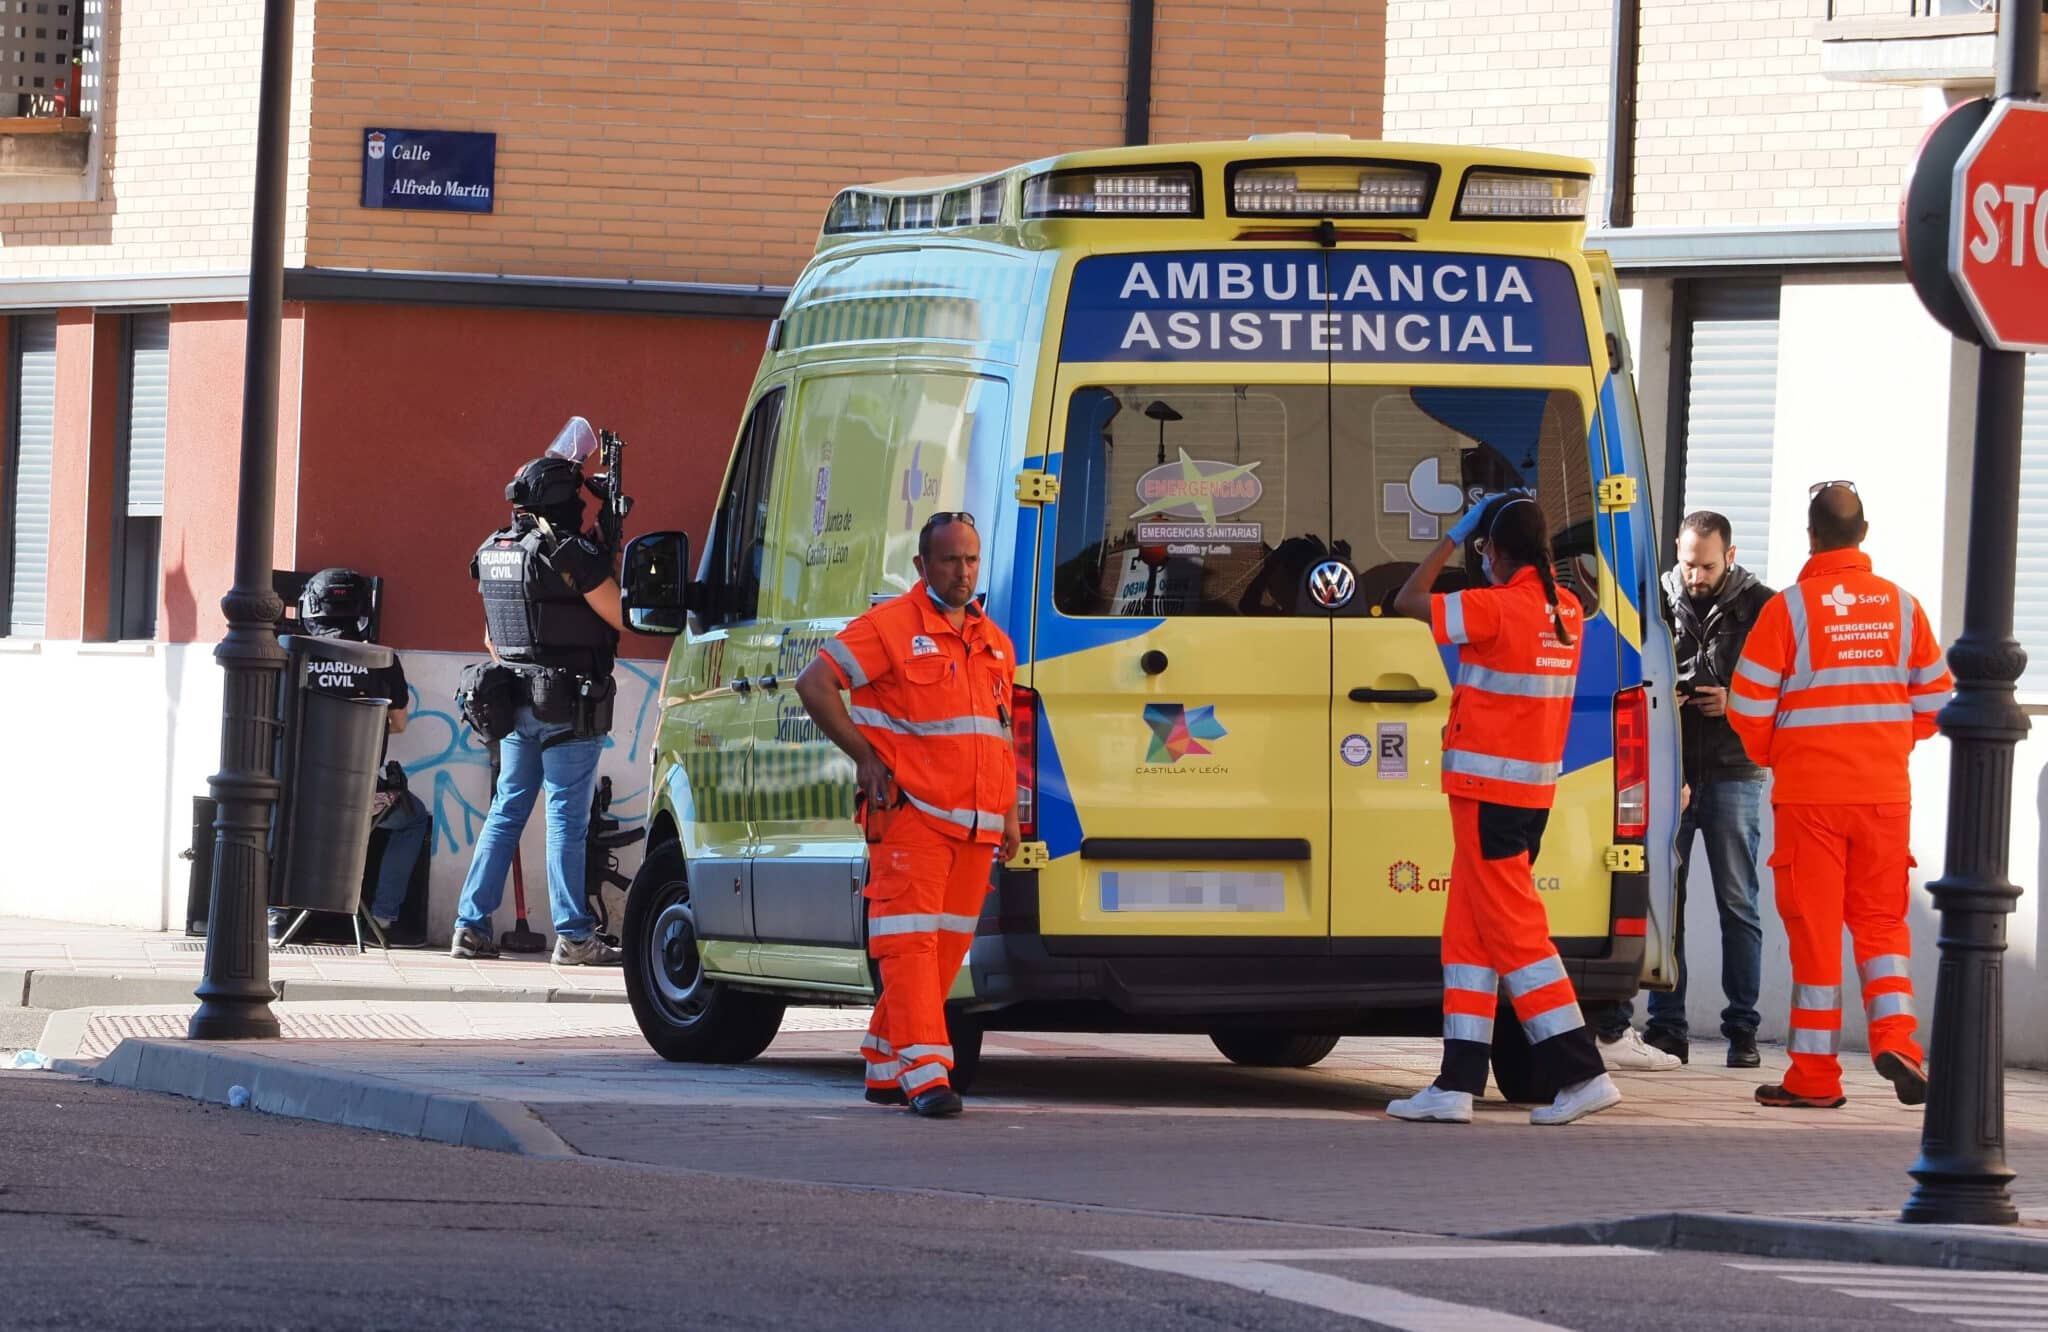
<point x="1497" y="936"/>
<point x="924" y="896"/>
<point x="1836" y="865"/>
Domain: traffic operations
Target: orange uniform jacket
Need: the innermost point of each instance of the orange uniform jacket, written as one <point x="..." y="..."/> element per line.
<point x="934" y="701"/>
<point x="1504" y="743"/>
<point x="1840" y="678"/>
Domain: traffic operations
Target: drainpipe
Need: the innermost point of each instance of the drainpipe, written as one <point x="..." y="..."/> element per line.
<point x="1138" y="77"/>
<point x="1621" y="119"/>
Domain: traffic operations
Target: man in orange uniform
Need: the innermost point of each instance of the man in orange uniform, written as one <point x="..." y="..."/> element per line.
<point x="929" y="733"/>
<point x="1841" y="677"/>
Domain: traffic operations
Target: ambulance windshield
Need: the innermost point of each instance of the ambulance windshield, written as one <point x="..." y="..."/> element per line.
<point x="1219" y="499"/>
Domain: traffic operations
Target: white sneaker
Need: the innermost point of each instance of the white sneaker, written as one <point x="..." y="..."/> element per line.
<point x="1587" y="1098"/>
<point x="1434" y="1105"/>
<point x="1630" y="1053"/>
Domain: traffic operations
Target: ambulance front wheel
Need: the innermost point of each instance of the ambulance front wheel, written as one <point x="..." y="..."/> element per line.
<point x="686" y="1016"/>
<point x="1262" y="1048"/>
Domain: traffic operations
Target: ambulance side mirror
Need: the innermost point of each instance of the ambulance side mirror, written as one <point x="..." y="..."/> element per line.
<point x="656" y="588"/>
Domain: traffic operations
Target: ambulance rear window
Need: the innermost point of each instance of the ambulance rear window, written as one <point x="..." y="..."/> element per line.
<point x="1218" y="499"/>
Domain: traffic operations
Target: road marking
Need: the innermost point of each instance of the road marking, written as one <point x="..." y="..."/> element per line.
<point x="2014" y="1301"/>
<point x="1265" y="1272"/>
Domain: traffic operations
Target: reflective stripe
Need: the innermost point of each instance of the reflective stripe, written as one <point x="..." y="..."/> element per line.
<point x="1835" y="677"/>
<point x="1466" y="1027"/>
<point x="1824" y="997"/>
<point x="1516" y="683"/>
<point x="1795" y="609"/>
<point x="1751" y="707"/>
<point x="1884" y="966"/>
<point x="1896" y="1004"/>
<point x="842" y="656"/>
<point x="921" y="923"/>
<point x="1930" y="702"/>
<point x="877" y="1044"/>
<point x="1502" y="769"/>
<point x="917" y="1079"/>
<point x="1755" y="674"/>
<point x="1464" y="976"/>
<point x="888" y="1072"/>
<point x="880" y="720"/>
<point x="1905" y="629"/>
<point x="1862" y="714"/>
<point x="1558" y="1021"/>
<point x="1928" y="675"/>
<point x="952" y="924"/>
<point x="1454" y="617"/>
<point x="917" y="1054"/>
<point x="1815" y="1041"/>
<point x="965" y="818"/>
<point x="1535" y="976"/>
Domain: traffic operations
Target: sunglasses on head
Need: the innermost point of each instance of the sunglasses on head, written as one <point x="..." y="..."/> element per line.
<point x="1819" y="486"/>
<point x="942" y="518"/>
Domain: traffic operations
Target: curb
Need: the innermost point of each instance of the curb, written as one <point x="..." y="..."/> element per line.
<point x="59" y="990"/>
<point x="204" y="1071"/>
<point x="1886" y="1243"/>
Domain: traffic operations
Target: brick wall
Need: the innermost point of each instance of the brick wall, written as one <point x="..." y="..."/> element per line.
<point x="179" y="149"/>
<point x="1735" y="124"/>
<point x="1223" y="71"/>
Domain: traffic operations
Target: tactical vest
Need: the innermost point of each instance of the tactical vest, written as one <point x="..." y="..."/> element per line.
<point x="534" y="618"/>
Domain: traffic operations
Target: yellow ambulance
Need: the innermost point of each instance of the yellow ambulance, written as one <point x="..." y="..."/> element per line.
<point x="1209" y="404"/>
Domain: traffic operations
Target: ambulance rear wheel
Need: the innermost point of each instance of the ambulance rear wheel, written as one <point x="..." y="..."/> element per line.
<point x="686" y="1016"/>
<point x="1258" y="1048"/>
<point x="1514" y="1063"/>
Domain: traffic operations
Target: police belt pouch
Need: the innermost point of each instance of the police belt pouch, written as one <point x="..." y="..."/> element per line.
<point x="490" y="694"/>
<point x="568" y="698"/>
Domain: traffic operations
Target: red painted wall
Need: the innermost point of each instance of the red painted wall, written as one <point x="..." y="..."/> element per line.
<point x="202" y="464"/>
<point x="415" y="418"/>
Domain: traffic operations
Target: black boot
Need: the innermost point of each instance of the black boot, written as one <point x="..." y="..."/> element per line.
<point x="937" y="1103"/>
<point x="1742" y="1050"/>
<point x="1670" y="1042"/>
<point x="886" y="1096"/>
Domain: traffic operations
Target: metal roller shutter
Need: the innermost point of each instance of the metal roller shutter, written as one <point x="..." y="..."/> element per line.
<point x="35" y="418"/>
<point x="149" y="387"/>
<point x="2030" y="588"/>
<point x="1731" y="410"/>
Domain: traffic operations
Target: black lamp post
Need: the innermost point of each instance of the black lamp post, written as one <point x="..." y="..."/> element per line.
<point x="1962" y="1172"/>
<point x="234" y="991"/>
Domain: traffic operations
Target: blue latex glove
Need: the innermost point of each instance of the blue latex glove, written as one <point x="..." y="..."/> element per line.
<point x="1463" y="530"/>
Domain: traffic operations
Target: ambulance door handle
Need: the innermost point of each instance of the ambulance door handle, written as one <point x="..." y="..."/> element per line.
<point x="743" y="685"/>
<point x="769" y="682"/>
<point x="1422" y="695"/>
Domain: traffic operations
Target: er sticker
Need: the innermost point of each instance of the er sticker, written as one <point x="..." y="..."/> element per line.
<point x="1393" y="747"/>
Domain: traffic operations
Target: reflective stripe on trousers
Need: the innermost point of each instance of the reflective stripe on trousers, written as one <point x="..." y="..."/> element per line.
<point x="921" y="923"/>
<point x="1475" y="990"/>
<point x="1545" y="1023"/>
<point x="1502" y="769"/>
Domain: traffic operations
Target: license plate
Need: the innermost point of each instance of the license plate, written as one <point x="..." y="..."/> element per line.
<point x="1193" y="890"/>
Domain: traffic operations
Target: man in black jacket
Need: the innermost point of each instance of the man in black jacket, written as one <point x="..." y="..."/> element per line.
<point x="1710" y="602"/>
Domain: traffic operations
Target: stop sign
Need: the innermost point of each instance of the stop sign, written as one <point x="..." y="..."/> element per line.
<point x="1998" y="244"/>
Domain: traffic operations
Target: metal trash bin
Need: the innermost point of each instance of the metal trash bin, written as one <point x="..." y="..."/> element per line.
<point x="333" y="744"/>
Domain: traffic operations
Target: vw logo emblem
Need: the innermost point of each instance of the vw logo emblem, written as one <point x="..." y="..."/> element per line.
<point x="1331" y="583"/>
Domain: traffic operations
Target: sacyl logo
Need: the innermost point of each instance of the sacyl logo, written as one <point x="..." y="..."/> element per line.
<point x="1842" y="601"/>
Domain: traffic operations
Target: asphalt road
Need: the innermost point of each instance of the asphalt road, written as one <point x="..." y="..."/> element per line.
<point x="122" y="1210"/>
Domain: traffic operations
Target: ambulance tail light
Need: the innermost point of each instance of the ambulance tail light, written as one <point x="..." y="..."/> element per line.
<point x="1163" y="192"/>
<point x="1632" y="763"/>
<point x="1024" y="739"/>
<point x="1319" y="189"/>
<point x="1521" y="196"/>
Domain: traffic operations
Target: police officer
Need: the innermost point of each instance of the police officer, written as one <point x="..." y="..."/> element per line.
<point x="929" y="733"/>
<point x="551" y="609"/>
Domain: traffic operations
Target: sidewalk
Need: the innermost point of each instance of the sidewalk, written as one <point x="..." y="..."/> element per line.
<point x="51" y="965"/>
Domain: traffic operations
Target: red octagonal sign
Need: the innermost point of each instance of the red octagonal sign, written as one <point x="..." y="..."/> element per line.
<point x="1998" y="245"/>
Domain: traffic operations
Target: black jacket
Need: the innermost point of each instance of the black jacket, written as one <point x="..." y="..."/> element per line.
<point x="1708" y="641"/>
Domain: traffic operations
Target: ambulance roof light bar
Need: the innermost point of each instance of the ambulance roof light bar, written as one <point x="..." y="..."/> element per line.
<point x="1167" y="191"/>
<point x="1503" y="194"/>
<point x="1331" y="188"/>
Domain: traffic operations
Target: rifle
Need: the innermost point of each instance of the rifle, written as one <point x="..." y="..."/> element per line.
<point x="611" y="517"/>
<point x="600" y="861"/>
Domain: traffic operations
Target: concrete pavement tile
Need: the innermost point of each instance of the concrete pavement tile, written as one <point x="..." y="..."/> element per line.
<point x="14" y="987"/>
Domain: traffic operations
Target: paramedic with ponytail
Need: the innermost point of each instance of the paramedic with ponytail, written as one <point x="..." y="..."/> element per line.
<point x="1518" y="665"/>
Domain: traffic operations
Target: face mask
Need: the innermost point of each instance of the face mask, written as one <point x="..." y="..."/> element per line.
<point x="1486" y="569"/>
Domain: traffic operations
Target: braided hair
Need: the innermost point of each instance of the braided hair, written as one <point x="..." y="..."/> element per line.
<point x="1517" y="532"/>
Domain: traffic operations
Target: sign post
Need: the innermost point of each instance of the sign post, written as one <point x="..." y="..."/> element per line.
<point x="1998" y="264"/>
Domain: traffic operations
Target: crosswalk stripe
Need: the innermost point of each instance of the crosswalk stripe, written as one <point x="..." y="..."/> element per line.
<point x="1866" y="1272"/>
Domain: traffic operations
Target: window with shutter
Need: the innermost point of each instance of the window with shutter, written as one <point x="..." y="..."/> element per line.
<point x="1731" y="408"/>
<point x="28" y="473"/>
<point x="139" y="501"/>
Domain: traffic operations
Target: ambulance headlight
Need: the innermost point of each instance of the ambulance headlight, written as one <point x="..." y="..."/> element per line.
<point x="1160" y="192"/>
<point x="1331" y="189"/>
<point x="1522" y="196"/>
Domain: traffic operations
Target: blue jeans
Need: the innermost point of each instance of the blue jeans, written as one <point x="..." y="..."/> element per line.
<point x="406" y="824"/>
<point x="1730" y="816"/>
<point x="566" y="773"/>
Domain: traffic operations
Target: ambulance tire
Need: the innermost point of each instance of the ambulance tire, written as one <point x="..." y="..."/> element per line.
<point x="686" y="1017"/>
<point x="1265" y="1048"/>
<point x="963" y="1033"/>
<point x="1515" y="1073"/>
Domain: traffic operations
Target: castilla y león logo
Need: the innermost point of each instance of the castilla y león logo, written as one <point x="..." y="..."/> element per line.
<point x="1178" y="731"/>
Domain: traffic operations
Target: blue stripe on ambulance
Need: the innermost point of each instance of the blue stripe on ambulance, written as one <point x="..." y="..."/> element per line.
<point x="1061" y="636"/>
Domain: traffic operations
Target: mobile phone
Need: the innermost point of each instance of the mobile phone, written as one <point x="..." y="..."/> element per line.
<point x="1688" y="689"/>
